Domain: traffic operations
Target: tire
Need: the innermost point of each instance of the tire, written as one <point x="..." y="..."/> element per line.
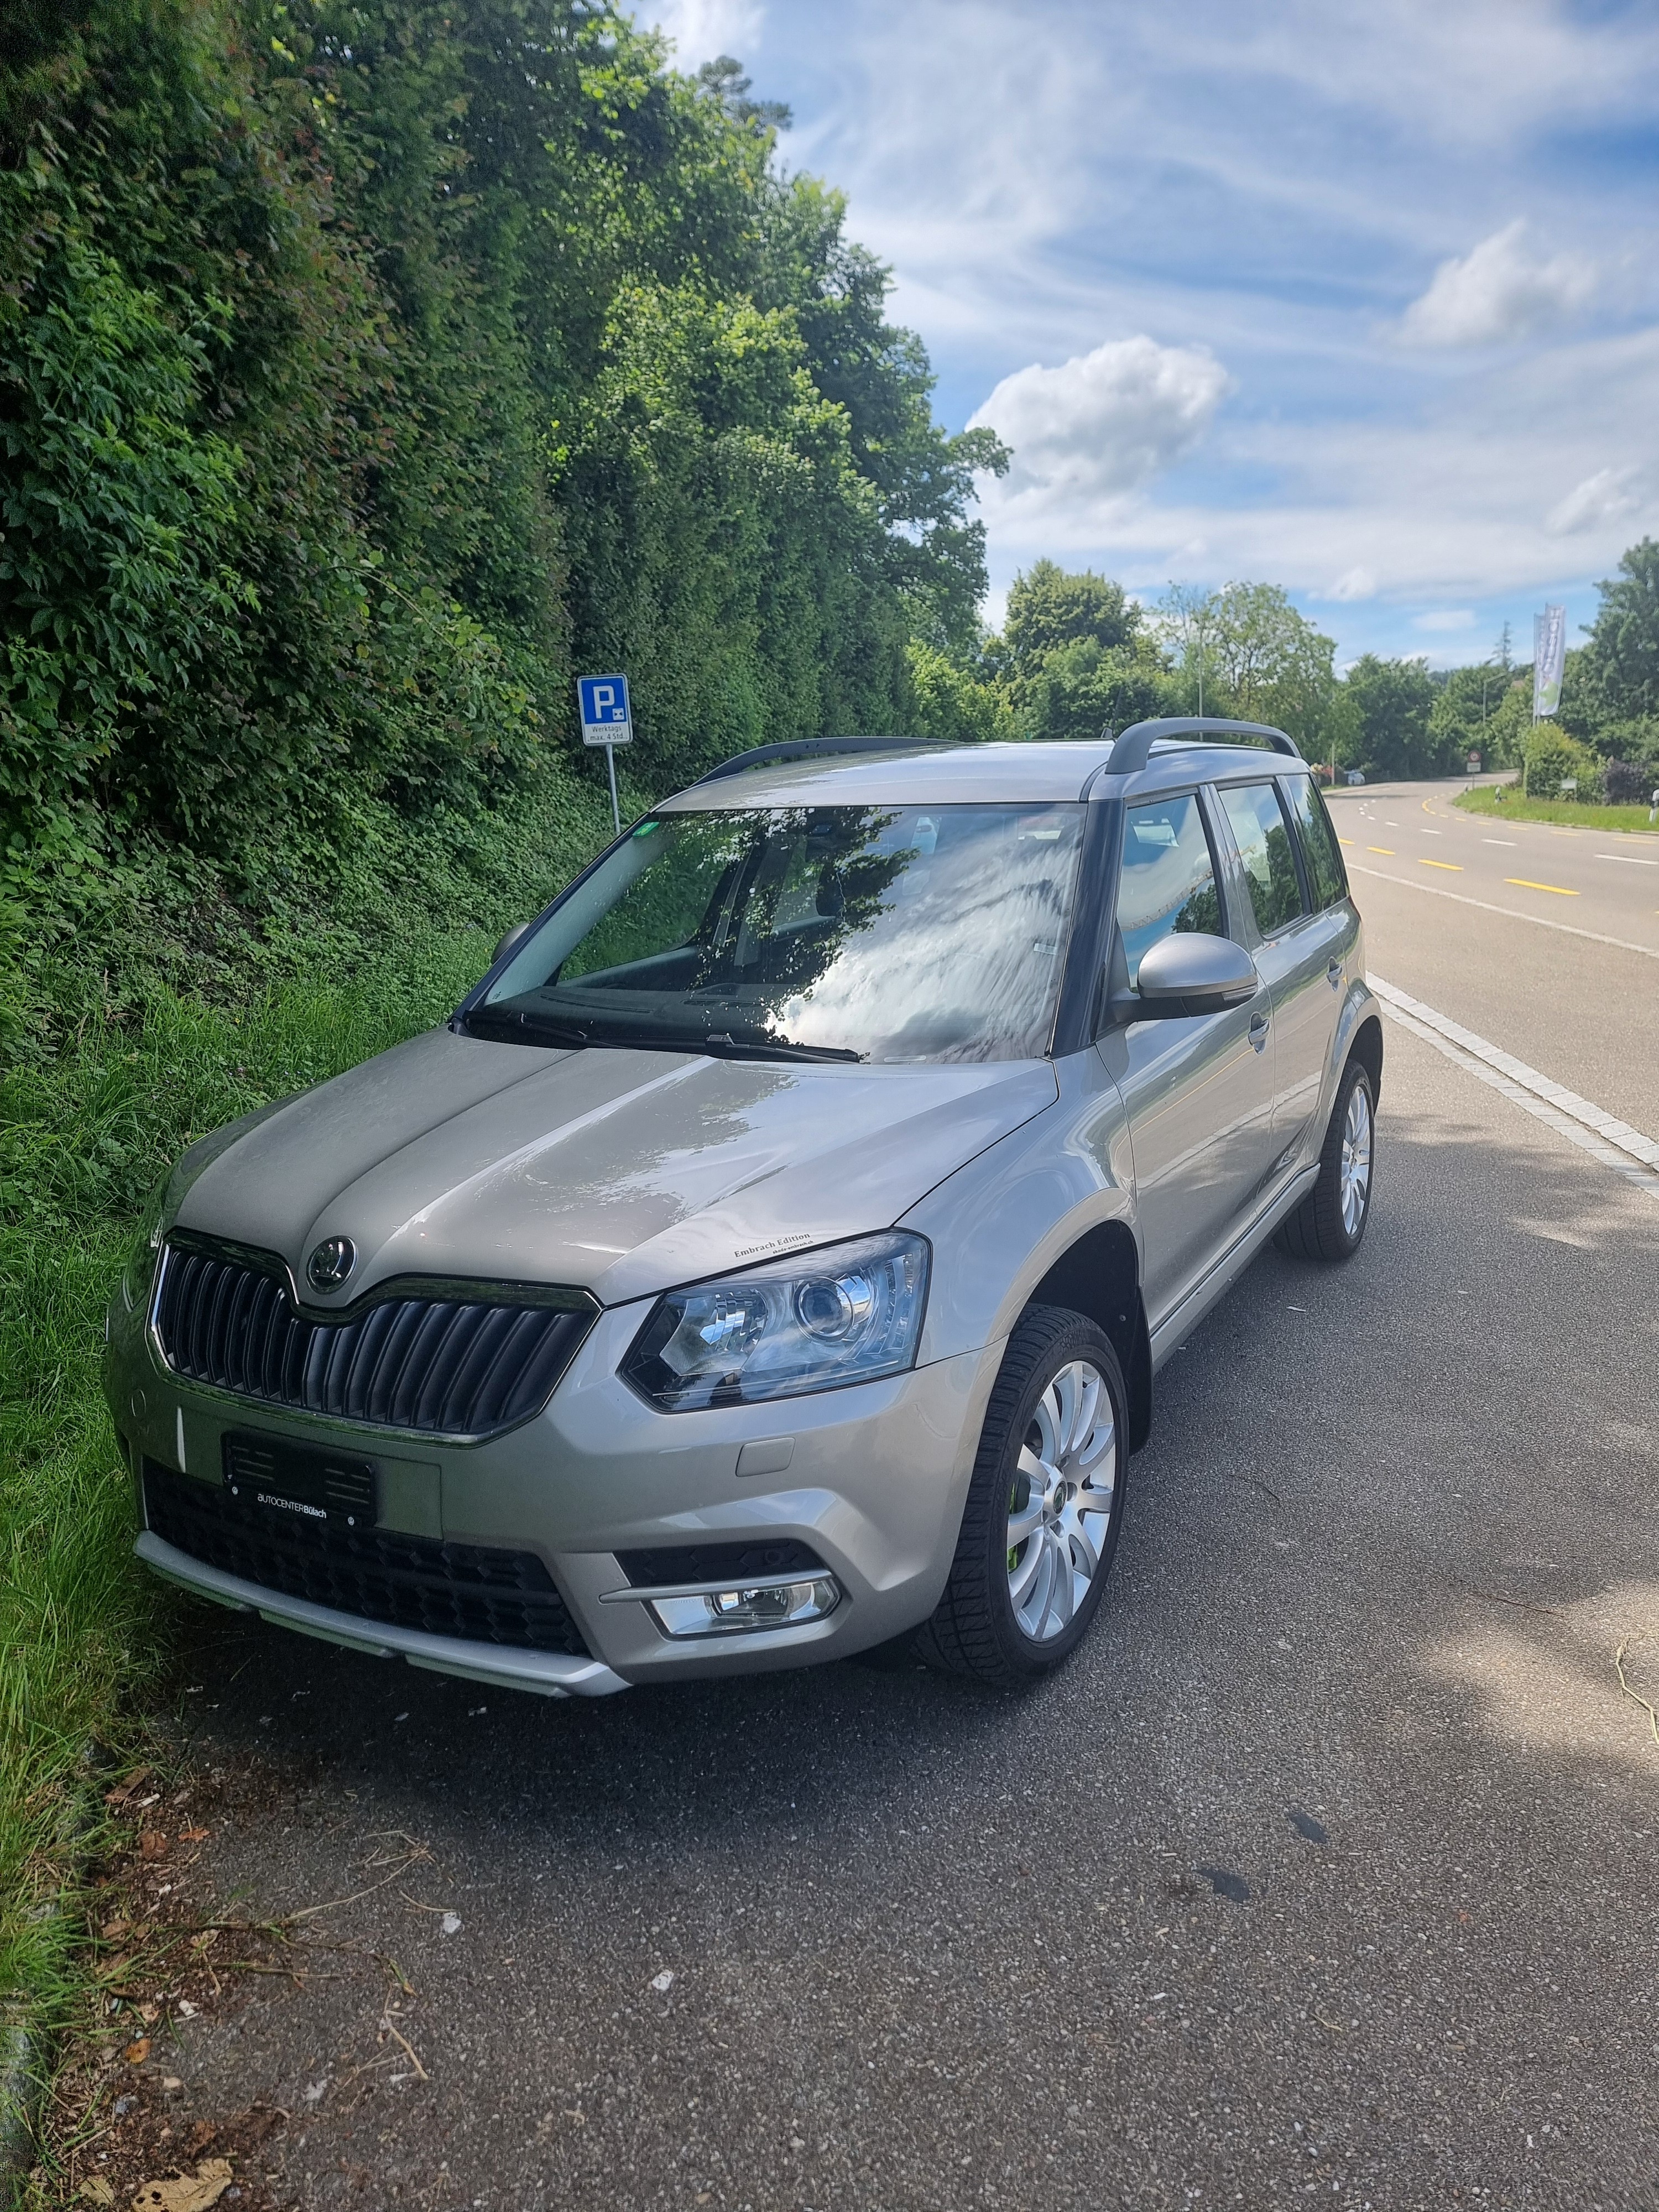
<point x="994" y="1621"/>
<point x="1330" y="1224"/>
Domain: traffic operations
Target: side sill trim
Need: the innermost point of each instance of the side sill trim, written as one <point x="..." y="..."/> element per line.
<point x="1176" y="1324"/>
<point x="551" y="1674"/>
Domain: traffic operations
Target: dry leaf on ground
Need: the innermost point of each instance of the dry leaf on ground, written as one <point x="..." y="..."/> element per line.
<point x="186" y="2193"/>
<point x="136" y="2052"/>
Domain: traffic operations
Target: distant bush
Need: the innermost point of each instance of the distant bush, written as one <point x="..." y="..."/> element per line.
<point x="1552" y="758"/>
<point x="1629" y="783"/>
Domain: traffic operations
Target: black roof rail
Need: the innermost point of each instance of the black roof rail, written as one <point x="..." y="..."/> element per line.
<point x="794" y="748"/>
<point x="1130" y="754"/>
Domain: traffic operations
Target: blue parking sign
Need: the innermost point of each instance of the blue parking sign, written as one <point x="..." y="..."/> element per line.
<point x="606" y="715"/>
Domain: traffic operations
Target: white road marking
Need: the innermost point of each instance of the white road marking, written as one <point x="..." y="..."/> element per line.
<point x="1431" y="833"/>
<point x="1514" y="913"/>
<point x="1630" y="860"/>
<point x="1614" y="1142"/>
<point x="1509" y="841"/>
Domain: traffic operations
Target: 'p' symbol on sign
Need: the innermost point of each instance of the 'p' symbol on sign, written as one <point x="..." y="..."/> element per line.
<point x="607" y="717"/>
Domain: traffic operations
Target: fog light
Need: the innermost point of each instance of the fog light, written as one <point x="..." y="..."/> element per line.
<point x="744" y="1611"/>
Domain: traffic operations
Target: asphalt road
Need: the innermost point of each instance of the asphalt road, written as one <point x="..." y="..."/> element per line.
<point x="1328" y="1872"/>
<point x="1544" y="939"/>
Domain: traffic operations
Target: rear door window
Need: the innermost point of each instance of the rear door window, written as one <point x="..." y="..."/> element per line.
<point x="1263" y="838"/>
<point x="1167" y="884"/>
<point x="1328" y="882"/>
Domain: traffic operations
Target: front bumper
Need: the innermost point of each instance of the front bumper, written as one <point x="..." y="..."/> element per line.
<point x="551" y="1674"/>
<point x="871" y="1478"/>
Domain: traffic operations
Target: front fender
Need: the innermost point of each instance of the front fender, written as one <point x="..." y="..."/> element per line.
<point x="1001" y="1221"/>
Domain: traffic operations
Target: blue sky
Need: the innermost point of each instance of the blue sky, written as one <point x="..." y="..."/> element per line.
<point x="1359" y="299"/>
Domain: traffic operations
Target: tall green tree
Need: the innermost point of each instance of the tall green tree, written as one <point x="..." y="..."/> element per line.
<point x="1252" y="655"/>
<point x="1395" y="701"/>
<point x="1610" y="696"/>
<point x="1623" y="639"/>
<point x="1470" y="715"/>
<point x="369" y="366"/>
<point x="1078" y="655"/>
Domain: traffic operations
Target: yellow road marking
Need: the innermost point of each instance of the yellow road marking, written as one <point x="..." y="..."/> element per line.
<point x="1346" y="841"/>
<point x="1522" y="883"/>
<point x="1452" y="867"/>
<point x="1387" y="849"/>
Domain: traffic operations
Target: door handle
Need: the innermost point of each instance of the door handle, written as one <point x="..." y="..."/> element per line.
<point x="1258" y="1030"/>
<point x="1333" y="974"/>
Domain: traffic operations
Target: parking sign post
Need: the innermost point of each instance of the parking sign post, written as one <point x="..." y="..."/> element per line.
<point x="607" y="719"/>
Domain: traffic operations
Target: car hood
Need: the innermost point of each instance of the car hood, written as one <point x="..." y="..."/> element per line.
<point x="621" y="1172"/>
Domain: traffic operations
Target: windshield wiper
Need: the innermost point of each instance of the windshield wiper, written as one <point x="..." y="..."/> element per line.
<point x="517" y="1027"/>
<point x="526" y="1026"/>
<point x="725" y="1047"/>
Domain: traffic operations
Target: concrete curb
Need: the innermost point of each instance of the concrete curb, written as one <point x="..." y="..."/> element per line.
<point x="25" y="2052"/>
<point x="22" y="2084"/>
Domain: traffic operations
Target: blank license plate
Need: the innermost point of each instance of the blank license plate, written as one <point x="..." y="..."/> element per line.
<point x="301" y="1483"/>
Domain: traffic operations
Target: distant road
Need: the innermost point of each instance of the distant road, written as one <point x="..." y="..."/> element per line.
<point x="1544" y="941"/>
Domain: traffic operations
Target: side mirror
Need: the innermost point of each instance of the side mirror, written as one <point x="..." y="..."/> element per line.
<point x="512" y="938"/>
<point x="1189" y="973"/>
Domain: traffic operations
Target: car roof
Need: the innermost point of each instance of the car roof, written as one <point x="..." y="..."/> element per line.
<point x="993" y="774"/>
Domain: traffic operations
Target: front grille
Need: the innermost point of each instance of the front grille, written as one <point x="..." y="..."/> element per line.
<point x="718" y="1562"/>
<point x="469" y="1590"/>
<point x="440" y="1366"/>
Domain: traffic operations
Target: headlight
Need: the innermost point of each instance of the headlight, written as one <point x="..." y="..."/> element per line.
<point x="846" y="1313"/>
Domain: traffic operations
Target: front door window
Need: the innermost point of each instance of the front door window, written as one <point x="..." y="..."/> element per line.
<point x="1168" y="880"/>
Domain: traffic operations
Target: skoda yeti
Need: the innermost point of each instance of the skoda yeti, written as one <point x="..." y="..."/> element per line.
<point x="772" y="1256"/>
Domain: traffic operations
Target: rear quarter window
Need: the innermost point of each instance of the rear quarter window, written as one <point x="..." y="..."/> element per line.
<point x="1328" y="881"/>
<point x="1262" y="835"/>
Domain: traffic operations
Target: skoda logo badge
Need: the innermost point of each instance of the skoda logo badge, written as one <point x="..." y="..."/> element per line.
<point x="331" y="1263"/>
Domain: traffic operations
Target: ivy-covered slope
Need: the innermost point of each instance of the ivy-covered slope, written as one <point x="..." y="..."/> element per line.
<point x="365" y="370"/>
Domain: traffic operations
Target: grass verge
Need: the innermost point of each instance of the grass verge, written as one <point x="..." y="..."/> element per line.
<point x="1512" y="807"/>
<point x="89" y="1122"/>
<point x="84" y="1633"/>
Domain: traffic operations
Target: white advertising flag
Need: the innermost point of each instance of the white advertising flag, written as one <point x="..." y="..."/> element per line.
<point x="1549" y="656"/>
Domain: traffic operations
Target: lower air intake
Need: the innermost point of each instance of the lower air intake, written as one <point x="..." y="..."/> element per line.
<point x="468" y="1590"/>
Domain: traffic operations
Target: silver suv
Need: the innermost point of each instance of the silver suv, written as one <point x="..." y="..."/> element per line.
<point x="772" y="1256"/>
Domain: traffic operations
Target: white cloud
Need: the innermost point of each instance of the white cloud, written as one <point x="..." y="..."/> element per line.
<point x="1498" y="293"/>
<point x="1359" y="583"/>
<point x="1480" y="73"/>
<point x="1445" y="619"/>
<point x="1441" y="508"/>
<point x="702" y="28"/>
<point x="1103" y="424"/>
<point x="1271" y="184"/>
<point x="1604" y="497"/>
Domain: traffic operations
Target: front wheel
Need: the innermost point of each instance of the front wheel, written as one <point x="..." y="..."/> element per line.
<point x="1330" y="1221"/>
<point x="1044" y="1511"/>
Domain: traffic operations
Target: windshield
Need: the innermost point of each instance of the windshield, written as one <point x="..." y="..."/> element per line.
<point x="854" y="932"/>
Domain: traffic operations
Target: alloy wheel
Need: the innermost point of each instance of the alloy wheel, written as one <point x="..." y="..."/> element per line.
<point x="1061" y="1501"/>
<point x="1356" y="1160"/>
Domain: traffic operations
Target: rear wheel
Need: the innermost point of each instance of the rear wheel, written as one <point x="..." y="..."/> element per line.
<point x="1330" y="1222"/>
<point x="1044" y="1507"/>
